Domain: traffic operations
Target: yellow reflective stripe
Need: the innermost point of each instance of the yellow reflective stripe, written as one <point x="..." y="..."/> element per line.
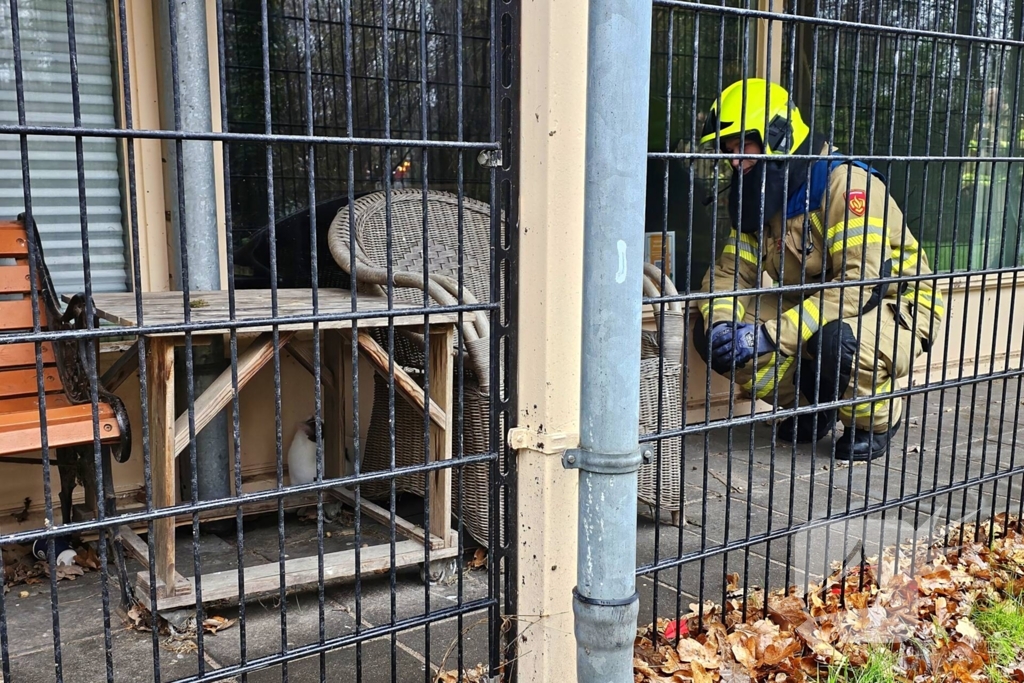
<point x="817" y="224"/>
<point x="854" y="242"/>
<point x="745" y="253"/>
<point x="852" y="233"/>
<point x="747" y="245"/>
<point x="906" y="261"/>
<point x="723" y="304"/>
<point x="930" y="300"/>
<point x="871" y="407"/>
<point x="768" y="376"/>
<point x="806" y="317"/>
<point x="749" y="240"/>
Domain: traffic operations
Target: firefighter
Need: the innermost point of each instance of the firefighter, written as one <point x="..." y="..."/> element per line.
<point x="816" y="221"/>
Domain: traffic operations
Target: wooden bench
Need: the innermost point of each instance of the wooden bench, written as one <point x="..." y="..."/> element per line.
<point x="68" y="420"/>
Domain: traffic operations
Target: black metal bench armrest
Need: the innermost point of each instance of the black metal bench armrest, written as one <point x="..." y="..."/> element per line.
<point x="74" y="356"/>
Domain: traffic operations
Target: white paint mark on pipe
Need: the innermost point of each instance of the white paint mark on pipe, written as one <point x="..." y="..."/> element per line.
<point x="620" y="276"/>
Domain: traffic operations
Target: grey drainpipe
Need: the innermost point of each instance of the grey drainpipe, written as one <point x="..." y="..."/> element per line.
<point x="605" y="602"/>
<point x="200" y="224"/>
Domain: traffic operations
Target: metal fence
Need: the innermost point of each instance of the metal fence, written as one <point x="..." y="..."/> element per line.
<point x="927" y="95"/>
<point x="362" y="145"/>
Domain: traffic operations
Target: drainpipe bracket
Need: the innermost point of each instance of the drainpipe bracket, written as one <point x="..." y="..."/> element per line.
<point x="548" y="443"/>
<point x="606" y="463"/>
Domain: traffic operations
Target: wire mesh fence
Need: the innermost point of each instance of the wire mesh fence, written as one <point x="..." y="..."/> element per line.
<point x="289" y="431"/>
<point x="846" y="248"/>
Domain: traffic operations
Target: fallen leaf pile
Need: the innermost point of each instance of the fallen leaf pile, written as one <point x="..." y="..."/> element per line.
<point x="477" y="674"/>
<point x="915" y="604"/>
<point x="23" y="568"/>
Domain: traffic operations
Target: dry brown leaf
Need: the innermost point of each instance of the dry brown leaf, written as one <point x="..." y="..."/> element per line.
<point x="181" y="647"/>
<point x="479" y="559"/>
<point x="216" y="623"/>
<point x="22" y="514"/>
<point x="139" y="618"/>
<point x="780" y="650"/>
<point x="744" y="649"/>
<point x="67" y="571"/>
<point x="700" y="674"/>
<point x="477" y="674"/>
<point x="788" y="612"/>
<point x="938" y="581"/>
<point x="970" y="633"/>
<point x="87" y="558"/>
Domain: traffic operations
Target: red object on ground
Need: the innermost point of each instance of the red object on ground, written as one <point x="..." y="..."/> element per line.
<point x="676" y="628"/>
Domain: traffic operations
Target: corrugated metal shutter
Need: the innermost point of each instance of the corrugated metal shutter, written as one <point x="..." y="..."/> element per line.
<point x="52" y="161"/>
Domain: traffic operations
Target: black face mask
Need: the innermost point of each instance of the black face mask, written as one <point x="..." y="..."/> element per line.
<point x="749" y="218"/>
<point x="776" y="190"/>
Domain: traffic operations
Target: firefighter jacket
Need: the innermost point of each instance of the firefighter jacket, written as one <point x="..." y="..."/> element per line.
<point x="843" y="226"/>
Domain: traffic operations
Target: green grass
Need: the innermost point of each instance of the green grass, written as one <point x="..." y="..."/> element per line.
<point x="1002" y="624"/>
<point x="880" y="668"/>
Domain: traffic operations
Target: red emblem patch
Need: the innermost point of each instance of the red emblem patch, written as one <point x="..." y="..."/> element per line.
<point x="857" y="202"/>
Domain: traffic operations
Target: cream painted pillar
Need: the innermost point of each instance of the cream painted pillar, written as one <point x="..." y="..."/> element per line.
<point x="765" y="28"/>
<point x="553" y="53"/>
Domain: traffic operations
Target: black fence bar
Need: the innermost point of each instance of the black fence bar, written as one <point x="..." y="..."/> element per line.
<point x="325" y="117"/>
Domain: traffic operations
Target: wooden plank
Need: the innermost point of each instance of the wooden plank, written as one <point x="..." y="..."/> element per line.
<point x="302" y="352"/>
<point x="124" y="367"/>
<point x="335" y="419"/>
<point x="379" y="514"/>
<point x="15" y="279"/>
<point x="31" y="403"/>
<point x="160" y="387"/>
<point x="27" y="439"/>
<point x="13" y="241"/>
<point x="405" y="385"/>
<point x="135" y="546"/>
<point x="301" y="571"/>
<point x="221" y="391"/>
<point x="22" y="355"/>
<point x="250" y="304"/>
<point x="442" y="341"/>
<point x="17" y="315"/>
<point x="24" y="382"/>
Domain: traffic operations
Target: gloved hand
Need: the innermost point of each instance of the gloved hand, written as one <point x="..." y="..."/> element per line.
<point x="737" y="343"/>
<point x="721" y="337"/>
<point x="750" y="340"/>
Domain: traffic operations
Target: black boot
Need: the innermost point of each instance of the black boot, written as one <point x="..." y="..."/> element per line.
<point x="864" y="445"/>
<point x="805" y="426"/>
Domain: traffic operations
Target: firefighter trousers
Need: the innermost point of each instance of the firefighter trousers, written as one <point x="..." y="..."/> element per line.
<point x="864" y="358"/>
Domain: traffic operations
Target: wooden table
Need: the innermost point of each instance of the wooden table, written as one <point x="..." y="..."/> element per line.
<point x="169" y="433"/>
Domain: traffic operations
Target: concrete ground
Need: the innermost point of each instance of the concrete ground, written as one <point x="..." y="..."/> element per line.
<point x="735" y="488"/>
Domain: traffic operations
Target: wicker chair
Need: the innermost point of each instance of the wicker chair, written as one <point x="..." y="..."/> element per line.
<point x="406" y="219"/>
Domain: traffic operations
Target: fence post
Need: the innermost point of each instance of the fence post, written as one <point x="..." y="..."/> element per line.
<point x="618" y="86"/>
<point x="553" y="50"/>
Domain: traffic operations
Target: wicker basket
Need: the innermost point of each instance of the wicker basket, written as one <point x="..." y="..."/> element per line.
<point x="406" y="222"/>
<point x="671" y="448"/>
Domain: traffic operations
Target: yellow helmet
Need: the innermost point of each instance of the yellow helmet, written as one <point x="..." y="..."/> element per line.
<point x="764" y="108"/>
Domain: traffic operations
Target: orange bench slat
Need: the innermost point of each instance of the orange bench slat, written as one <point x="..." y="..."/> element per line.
<point x="65" y="426"/>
